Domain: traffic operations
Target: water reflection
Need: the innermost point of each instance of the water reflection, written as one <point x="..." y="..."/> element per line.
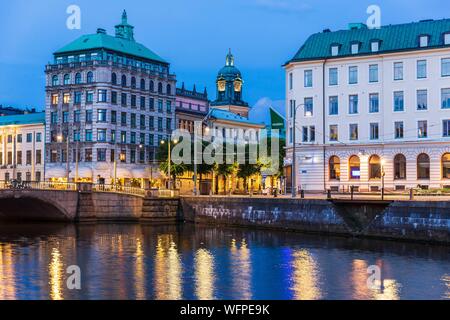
<point x="204" y="275"/>
<point x="192" y="262"/>
<point x="305" y="276"/>
<point x="7" y="278"/>
<point x="241" y="270"/>
<point x="55" y="271"/>
<point x="168" y="269"/>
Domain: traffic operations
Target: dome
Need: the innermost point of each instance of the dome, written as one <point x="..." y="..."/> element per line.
<point x="229" y="71"/>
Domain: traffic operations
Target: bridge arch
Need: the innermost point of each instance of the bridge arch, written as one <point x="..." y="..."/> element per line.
<point x="45" y="205"/>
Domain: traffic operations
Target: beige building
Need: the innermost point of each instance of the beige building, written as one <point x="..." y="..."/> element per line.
<point x="22" y="147"/>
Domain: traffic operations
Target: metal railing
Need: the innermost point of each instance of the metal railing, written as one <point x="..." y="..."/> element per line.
<point x="118" y="189"/>
<point x="37" y="185"/>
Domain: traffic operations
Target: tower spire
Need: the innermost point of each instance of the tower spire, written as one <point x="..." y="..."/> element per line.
<point x="124" y="30"/>
<point x="124" y="17"/>
<point x="230" y="58"/>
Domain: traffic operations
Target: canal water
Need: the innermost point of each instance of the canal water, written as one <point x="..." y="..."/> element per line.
<point x="132" y="261"/>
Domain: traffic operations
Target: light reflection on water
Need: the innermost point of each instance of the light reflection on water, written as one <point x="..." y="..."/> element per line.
<point x="121" y="261"/>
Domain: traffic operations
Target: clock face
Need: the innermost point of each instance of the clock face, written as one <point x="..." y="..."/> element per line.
<point x="221" y="85"/>
<point x="237" y="86"/>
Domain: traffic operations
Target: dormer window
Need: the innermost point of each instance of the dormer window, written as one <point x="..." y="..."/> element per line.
<point x="355" y="48"/>
<point x="424" y="41"/>
<point x="375" y="46"/>
<point x="335" y="50"/>
<point x="447" y="38"/>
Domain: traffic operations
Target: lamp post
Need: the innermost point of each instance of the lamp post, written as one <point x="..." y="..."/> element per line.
<point x="383" y="173"/>
<point x="60" y="139"/>
<point x="293" y="173"/>
<point x="169" y="151"/>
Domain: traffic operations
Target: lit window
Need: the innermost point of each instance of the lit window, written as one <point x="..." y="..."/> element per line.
<point x="334" y="134"/>
<point x="353" y="132"/>
<point x="309" y="107"/>
<point x="55" y="99"/>
<point x="66" y="98"/>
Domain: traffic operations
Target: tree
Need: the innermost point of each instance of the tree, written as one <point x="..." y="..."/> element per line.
<point x="176" y="170"/>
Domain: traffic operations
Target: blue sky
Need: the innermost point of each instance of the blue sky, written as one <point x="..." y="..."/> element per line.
<point x="193" y="36"/>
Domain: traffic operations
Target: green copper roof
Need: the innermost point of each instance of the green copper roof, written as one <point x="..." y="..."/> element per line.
<point x="123" y="42"/>
<point x="104" y="41"/>
<point x="21" y="119"/>
<point x="220" y="114"/>
<point x="393" y="38"/>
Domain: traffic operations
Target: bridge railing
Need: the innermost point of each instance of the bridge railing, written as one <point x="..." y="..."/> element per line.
<point x="118" y="189"/>
<point x="37" y="185"/>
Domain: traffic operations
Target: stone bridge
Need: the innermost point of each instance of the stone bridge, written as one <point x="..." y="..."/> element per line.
<point x="84" y="205"/>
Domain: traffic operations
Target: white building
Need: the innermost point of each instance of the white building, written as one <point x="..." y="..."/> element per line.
<point x="22" y="147"/>
<point x="371" y="102"/>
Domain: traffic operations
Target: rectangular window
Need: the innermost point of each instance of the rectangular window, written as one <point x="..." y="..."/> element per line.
<point x="101" y="95"/>
<point x="77" y="116"/>
<point x="334" y="50"/>
<point x="28" y="161"/>
<point x="123" y="118"/>
<point x="88" y="116"/>
<point x="169" y="106"/>
<point x="445" y="67"/>
<point x="422" y="128"/>
<point x="305" y="134"/>
<point x="446" y="128"/>
<point x="309" y="107"/>
<point x="353" y="104"/>
<point x="308" y="75"/>
<point x="398" y="71"/>
<point x="447" y="39"/>
<point x="373" y="73"/>
<point x="133" y="120"/>
<point x="151" y="123"/>
<point x="169" y="124"/>
<point x="291" y="81"/>
<point x="101" y="115"/>
<point x="29" y="137"/>
<point x="399" y="130"/>
<point x="123" y="137"/>
<point x="88" y="135"/>
<point x="88" y="155"/>
<point x="142" y="105"/>
<point x="101" y="155"/>
<point x="445" y="98"/>
<point x="142" y="121"/>
<point x="19" y="158"/>
<point x="421" y="69"/>
<point x="55" y="99"/>
<point x="399" y="102"/>
<point x="133" y="137"/>
<point x="151" y="104"/>
<point x="160" y="124"/>
<point x="374" y="103"/>
<point x="374" y="131"/>
<point x="333" y="105"/>
<point x="333" y="77"/>
<point x="353" y="132"/>
<point x="133" y="101"/>
<point x="77" y="98"/>
<point x="114" y="97"/>
<point x="38" y="137"/>
<point x="123" y="99"/>
<point x="355" y="48"/>
<point x="65" y="117"/>
<point x="113" y="116"/>
<point x="54" y="117"/>
<point x="160" y="106"/>
<point x="89" y="97"/>
<point x="101" y="135"/>
<point x="334" y="132"/>
<point x="38" y="156"/>
<point x="66" y="98"/>
<point x="353" y="75"/>
<point x="375" y="46"/>
<point x="423" y="42"/>
<point x="422" y="99"/>
<point x="133" y="156"/>
<point x="76" y="135"/>
<point x="312" y="134"/>
<point x="113" y="136"/>
<point x="19" y="138"/>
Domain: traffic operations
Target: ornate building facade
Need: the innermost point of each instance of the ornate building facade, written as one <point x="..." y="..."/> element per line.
<point x="191" y="106"/>
<point x="109" y="102"/>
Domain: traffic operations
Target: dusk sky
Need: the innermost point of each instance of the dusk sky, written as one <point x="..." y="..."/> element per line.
<point x="194" y="36"/>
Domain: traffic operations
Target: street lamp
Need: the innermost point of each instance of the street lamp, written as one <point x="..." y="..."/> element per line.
<point x="383" y="173"/>
<point x="169" y="151"/>
<point x="293" y="173"/>
<point x="60" y="140"/>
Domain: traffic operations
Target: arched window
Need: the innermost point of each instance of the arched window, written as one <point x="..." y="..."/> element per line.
<point x="168" y="89"/>
<point x="399" y="167"/>
<point x="55" y="81"/>
<point x="152" y="86"/>
<point x="335" y="168"/>
<point x="446" y="166"/>
<point x="114" y="78"/>
<point x="423" y="167"/>
<point x="90" y="77"/>
<point x="133" y="82"/>
<point x="160" y="86"/>
<point x="354" y="165"/>
<point x="374" y="167"/>
<point x="78" y="78"/>
<point x="66" y="79"/>
<point x="124" y="81"/>
<point x="142" y="84"/>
